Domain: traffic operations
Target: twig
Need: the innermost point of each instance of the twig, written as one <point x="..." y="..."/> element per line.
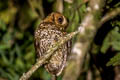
<point x="110" y="15"/>
<point x="117" y="73"/>
<point x="81" y="4"/>
<point x="50" y="52"/>
<point x="89" y="75"/>
<point x="32" y="7"/>
<point x="59" y="6"/>
<point x="54" y="77"/>
<point x="37" y="4"/>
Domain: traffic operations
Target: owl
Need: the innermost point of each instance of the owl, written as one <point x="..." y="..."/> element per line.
<point x="50" y="30"/>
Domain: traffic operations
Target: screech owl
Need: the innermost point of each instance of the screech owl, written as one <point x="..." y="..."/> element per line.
<point x="47" y="33"/>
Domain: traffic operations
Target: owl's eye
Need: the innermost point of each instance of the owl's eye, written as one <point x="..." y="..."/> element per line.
<point x="60" y="20"/>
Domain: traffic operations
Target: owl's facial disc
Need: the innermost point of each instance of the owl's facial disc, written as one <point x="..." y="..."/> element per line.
<point x="60" y="21"/>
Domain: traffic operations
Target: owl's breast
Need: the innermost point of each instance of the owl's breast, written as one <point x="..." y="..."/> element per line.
<point x="45" y="39"/>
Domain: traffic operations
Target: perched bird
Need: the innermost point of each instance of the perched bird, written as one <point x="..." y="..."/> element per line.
<point x="50" y="30"/>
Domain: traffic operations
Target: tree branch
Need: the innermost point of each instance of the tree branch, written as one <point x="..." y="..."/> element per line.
<point x="110" y="15"/>
<point x="80" y="49"/>
<point x="50" y="52"/>
<point x="89" y="27"/>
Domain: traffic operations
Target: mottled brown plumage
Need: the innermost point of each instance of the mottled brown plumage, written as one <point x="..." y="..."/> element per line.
<point x="47" y="33"/>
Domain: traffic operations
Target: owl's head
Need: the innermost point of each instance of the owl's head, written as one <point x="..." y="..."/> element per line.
<point x="58" y="19"/>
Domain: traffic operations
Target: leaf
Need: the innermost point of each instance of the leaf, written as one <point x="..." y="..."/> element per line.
<point x="2" y="25"/>
<point x="20" y="64"/>
<point x="105" y="46"/>
<point x="5" y="60"/>
<point x="8" y="14"/>
<point x="111" y="40"/>
<point x="114" y="60"/>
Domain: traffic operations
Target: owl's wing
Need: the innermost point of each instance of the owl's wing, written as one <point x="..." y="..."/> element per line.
<point x="43" y="40"/>
<point x="37" y="48"/>
<point x="39" y="43"/>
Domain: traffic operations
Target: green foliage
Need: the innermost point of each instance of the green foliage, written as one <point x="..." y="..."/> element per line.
<point x="16" y="46"/>
<point x="112" y="40"/>
<point x="2" y="25"/>
<point x="17" y="24"/>
<point x="114" y="60"/>
<point x="74" y="13"/>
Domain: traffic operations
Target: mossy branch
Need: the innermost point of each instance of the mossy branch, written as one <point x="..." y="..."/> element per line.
<point x="110" y="15"/>
<point x="50" y="52"/>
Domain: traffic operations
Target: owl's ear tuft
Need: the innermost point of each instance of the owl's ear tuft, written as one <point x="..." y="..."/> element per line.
<point x="49" y="18"/>
<point x="53" y="17"/>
